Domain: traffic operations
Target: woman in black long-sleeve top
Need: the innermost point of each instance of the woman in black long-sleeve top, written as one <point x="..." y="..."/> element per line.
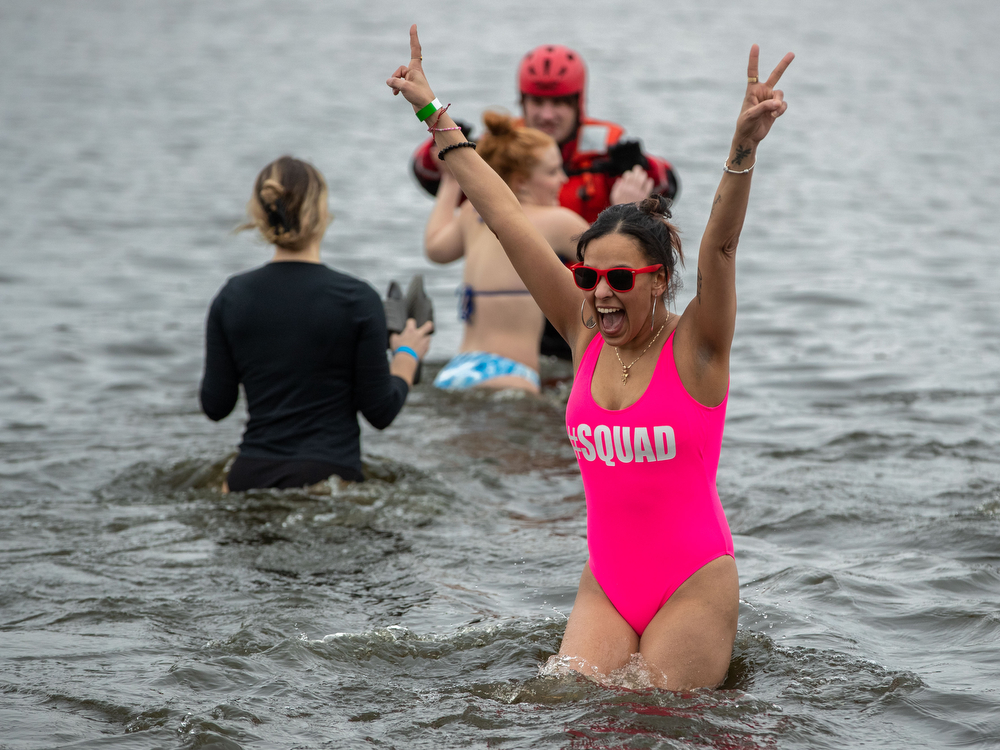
<point x="307" y="343"/>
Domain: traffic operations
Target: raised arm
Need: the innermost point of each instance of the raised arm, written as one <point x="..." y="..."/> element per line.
<point x="443" y="241"/>
<point x="543" y="274"/>
<point x="711" y="315"/>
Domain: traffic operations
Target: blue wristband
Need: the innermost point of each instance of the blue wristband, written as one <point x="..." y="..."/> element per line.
<point x="407" y="350"/>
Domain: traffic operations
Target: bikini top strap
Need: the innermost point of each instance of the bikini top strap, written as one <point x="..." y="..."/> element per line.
<point x="467" y="299"/>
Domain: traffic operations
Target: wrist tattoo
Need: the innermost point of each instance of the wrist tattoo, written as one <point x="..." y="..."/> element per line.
<point x="699" y="284"/>
<point x="741" y="154"/>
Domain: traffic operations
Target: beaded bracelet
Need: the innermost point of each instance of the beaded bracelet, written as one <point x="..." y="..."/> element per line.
<point x="406" y="350"/>
<point x="430" y="125"/>
<point x="727" y="170"/>
<point x="453" y="146"/>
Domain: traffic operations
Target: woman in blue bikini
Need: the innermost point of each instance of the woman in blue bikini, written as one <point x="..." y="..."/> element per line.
<point x="503" y="325"/>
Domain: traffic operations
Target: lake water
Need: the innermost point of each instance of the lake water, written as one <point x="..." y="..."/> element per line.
<point x="861" y="466"/>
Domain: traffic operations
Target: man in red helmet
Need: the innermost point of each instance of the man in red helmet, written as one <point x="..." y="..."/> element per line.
<point x="602" y="168"/>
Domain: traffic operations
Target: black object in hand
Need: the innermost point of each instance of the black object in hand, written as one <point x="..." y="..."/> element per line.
<point x="624" y="155"/>
<point x="398" y="309"/>
<point x="395" y="309"/>
<point x="420" y="308"/>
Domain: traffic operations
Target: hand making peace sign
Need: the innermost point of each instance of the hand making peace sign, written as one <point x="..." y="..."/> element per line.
<point x="763" y="103"/>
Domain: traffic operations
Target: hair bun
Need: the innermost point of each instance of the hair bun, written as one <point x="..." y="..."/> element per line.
<point x="288" y="204"/>
<point x="270" y="191"/>
<point x="498" y="123"/>
<point x="656" y="205"/>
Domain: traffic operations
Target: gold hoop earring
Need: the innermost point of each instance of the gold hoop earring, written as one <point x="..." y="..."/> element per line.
<point x="590" y="324"/>
<point x="653" y="318"/>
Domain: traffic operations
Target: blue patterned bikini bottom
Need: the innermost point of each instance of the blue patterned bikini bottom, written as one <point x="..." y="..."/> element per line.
<point x="470" y="369"/>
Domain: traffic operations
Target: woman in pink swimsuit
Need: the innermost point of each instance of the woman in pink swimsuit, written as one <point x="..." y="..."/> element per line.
<point x="647" y="409"/>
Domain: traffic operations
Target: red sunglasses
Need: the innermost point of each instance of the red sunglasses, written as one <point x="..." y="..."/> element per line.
<point x="619" y="279"/>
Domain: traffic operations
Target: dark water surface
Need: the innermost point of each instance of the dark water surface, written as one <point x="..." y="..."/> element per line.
<point x="860" y="473"/>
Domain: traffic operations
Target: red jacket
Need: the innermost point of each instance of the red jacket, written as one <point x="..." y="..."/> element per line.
<point x="591" y="163"/>
<point x="591" y="167"/>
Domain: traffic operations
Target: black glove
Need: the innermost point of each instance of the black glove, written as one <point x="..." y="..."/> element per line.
<point x="624" y="155"/>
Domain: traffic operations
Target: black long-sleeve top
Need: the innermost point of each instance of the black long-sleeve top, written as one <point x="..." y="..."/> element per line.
<point x="308" y="344"/>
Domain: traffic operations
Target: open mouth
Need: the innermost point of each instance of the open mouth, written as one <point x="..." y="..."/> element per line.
<point x="612" y="320"/>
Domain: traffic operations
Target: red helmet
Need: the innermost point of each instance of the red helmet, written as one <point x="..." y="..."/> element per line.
<point x="553" y="70"/>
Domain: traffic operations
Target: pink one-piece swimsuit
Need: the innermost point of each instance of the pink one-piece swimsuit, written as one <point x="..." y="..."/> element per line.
<point x="653" y="512"/>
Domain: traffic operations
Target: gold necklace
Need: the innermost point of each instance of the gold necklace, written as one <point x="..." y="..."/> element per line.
<point x="626" y="367"/>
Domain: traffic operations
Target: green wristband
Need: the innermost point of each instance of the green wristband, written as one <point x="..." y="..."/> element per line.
<point x="428" y="110"/>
